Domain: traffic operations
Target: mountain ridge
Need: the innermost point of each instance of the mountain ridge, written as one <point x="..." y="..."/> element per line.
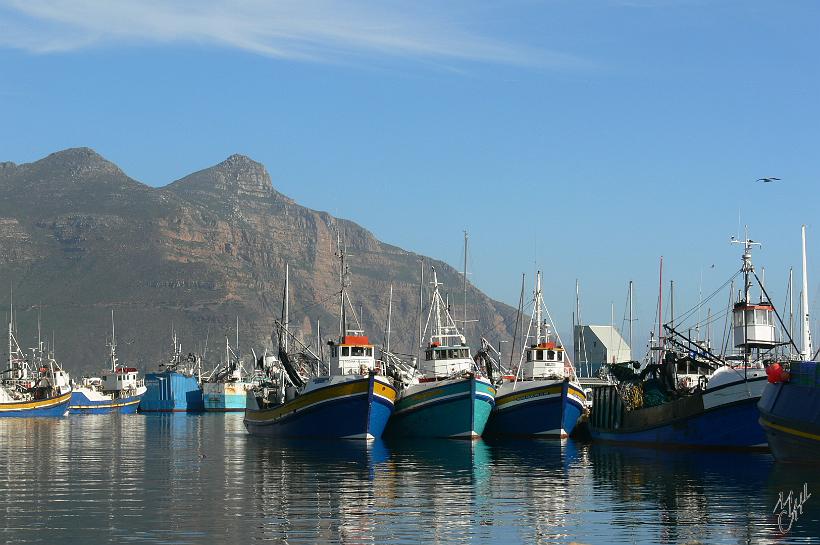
<point x="79" y="237"/>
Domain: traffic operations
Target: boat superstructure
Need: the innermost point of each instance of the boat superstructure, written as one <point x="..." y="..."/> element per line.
<point x="542" y="397"/>
<point x="450" y="397"/>
<point x="118" y="389"/>
<point x="353" y="400"/>
<point x="175" y="387"/>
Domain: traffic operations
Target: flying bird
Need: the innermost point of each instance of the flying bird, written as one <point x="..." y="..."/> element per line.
<point x="768" y="180"/>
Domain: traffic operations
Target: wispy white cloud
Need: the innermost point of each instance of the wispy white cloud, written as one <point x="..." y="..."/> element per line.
<point x="306" y="30"/>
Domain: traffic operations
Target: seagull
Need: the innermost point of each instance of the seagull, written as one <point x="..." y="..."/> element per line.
<point x="768" y="180"/>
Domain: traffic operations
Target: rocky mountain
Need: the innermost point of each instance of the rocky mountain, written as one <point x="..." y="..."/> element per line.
<point x="78" y="237"/>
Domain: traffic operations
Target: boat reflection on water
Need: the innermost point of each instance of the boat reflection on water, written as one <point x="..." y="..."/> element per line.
<point x="317" y="491"/>
<point x="535" y="489"/>
<point x="687" y="496"/>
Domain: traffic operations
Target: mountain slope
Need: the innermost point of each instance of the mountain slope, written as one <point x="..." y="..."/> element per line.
<point x="78" y="238"/>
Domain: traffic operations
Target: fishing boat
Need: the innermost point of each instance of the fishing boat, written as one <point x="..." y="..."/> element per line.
<point x="657" y="407"/>
<point x="119" y="389"/>
<point x="790" y="405"/>
<point x="175" y="387"/>
<point x="226" y="388"/>
<point x="542" y="398"/>
<point x="450" y="397"/>
<point x="354" y="400"/>
<point x="35" y="386"/>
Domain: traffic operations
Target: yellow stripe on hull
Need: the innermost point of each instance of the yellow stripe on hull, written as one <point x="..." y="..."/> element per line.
<point x="532" y="392"/>
<point x="792" y="431"/>
<point x="358" y="387"/>
<point x="38" y="404"/>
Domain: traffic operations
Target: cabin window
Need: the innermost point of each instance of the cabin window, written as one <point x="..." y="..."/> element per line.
<point x="345" y="351"/>
<point x="370" y="352"/>
<point x="750" y="316"/>
<point x="334" y="352"/>
<point x="738" y="319"/>
<point x="559" y="355"/>
<point x="429" y="355"/>
<point x="357" y="351"/>
<point x="539" y="355"/>
<point x="551" y="355"/>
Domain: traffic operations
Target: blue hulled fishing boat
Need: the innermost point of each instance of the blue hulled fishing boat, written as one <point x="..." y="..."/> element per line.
<point x="119" y="389"/>
<point x="354" y="400"/>
<point x="450" y="398"/>
<point x="660" y="407"/>
<point x="541" y="398"/>
<point x="790" y="406"/>
<point x="32" y="387"/>
<point x="176" y="386"/>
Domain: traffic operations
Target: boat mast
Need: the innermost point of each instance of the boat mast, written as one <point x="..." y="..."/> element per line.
<point x="342" y="316"/>
<point x="672" y="304"/>
<point x="437" y="306"/>
<point x="660" y="313"/>
<point x="791" y="302"/>
<point x="389" y="317"/>
<point x="630" y="318"/>
<point x="804" y="300"/>
<point x="285" y="310"/>
<point x="421" y="308"/>
<point x="538" y="310"/>
<point x="464" y="321"/>
<point x="11" y="332"/>
<point x="747" y="268"/>
<point x="517" y="320"/>
<point x="113" y="345"/>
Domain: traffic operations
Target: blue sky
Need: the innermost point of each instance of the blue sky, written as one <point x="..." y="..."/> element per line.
<point x="587" y="138"/>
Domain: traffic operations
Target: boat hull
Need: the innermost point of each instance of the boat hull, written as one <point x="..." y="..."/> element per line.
<point x="53" y="406"/>
<point x="225" y="396"/>
<point x="724" y="418"/>
<point x="351" y="409"/>
<point x="536" y="408"/>
<point x="454" y="408"/>
<point x="82" y="404"/>
<point x="171" y="392"/>
<point x="790" y="416"/>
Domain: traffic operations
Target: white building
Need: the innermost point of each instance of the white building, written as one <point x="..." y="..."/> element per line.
<point x="598" y="344"/>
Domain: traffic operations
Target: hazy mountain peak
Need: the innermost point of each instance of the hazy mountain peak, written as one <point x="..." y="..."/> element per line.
<point x="78" y="162"/>
<point x="237" y="175"/>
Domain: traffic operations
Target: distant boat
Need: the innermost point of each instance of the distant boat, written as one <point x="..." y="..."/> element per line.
<point x="662" y="407"/>
<point x="451" y="398"/>
<point x="176" y="386"/>
<point x="542" y="398"/>
<point x="226" y="388"/>
<point x="118" y="390"/>
<point x="790" y="406"/>
<point x="35" y="386"/>
<point x="353" y="401"/>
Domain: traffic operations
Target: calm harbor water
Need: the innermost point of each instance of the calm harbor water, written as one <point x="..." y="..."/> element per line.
<point x="201" y="479"/>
